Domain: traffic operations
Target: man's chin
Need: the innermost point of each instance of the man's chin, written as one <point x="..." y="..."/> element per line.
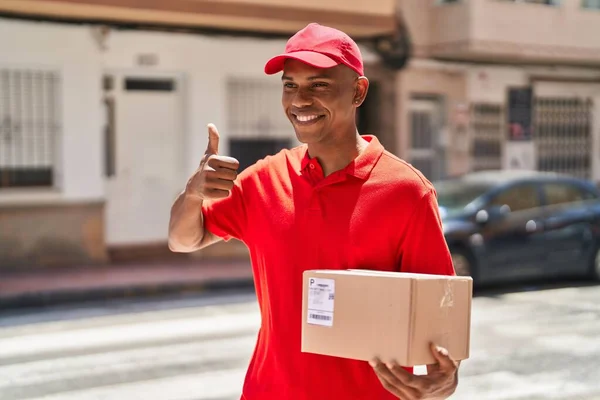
<point x="306" y="137"/>
<point x="308" y="134"/>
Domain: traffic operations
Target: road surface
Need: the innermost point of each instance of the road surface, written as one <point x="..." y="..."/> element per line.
<point x="527" y="345"/>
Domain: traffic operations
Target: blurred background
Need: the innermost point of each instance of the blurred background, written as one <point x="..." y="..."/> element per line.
<point x="103" y="113"/>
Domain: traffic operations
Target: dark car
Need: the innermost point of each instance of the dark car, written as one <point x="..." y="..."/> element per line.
<point x="513" y="226"/>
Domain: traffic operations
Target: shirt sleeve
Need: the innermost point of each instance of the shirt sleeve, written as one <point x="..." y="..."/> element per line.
<point x="424" y="249"/>
<point x="228" y="218"/>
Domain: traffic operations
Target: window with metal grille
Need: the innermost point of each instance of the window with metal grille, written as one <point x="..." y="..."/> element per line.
<point x="426" y="120"/>
<point x="256" y="123"/>
<point x="563" y="135"/>
<point x="487" y="126"/>
<point x="29" y="127"/>
<point x="422" y="131"/>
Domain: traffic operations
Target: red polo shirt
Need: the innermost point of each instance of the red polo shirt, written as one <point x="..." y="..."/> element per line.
<point x="377" y="213"/>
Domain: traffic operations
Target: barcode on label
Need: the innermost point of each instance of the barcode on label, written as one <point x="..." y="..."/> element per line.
<point x="321" y="317"/>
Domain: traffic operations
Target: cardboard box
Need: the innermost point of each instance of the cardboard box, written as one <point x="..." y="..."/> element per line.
<point x="364" y="314"/>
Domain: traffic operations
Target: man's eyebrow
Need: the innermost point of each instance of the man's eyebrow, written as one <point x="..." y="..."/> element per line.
<point x="310" y="78"/>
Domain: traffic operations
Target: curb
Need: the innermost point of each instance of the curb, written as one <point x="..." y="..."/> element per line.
<point x="62" y="297"/>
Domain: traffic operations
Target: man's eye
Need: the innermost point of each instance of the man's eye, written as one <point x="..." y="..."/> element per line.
<point x="288" y="85"/>
<point x="320" y="84"/>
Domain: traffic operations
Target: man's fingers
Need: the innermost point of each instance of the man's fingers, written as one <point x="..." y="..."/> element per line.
<point x="442" y="357"/>
<point x="226" y="173"/>
<point x="389" y="387"/>
<point x="216" y="183"/>
<point x="432" y="368"/>
<point x="219" y="172"/>
<point x="213" y="140"/>
<point x="216" y="175"/>
<point x="223" y="162"/>
<point x="405" y="377"/>
<point x="216" y="193"/>
<point x="391" y="382"/>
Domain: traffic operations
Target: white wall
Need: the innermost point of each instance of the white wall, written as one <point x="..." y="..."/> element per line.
<point x="206" y="63"/>
<point x="71" y="51"/>
<point x="490" y="84"/>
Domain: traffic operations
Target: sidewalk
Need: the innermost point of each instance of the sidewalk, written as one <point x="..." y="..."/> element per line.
<point x="35" y="288"/>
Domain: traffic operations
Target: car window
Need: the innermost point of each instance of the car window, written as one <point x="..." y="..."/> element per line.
<point x="563" y="193"/>
<point x="517" y="198"/>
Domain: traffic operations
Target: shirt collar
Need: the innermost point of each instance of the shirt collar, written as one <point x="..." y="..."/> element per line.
<point x="305" y="160"/>
<point x="362" y="165"/>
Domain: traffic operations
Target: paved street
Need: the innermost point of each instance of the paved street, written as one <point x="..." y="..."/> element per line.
<point x="525" y="345"/>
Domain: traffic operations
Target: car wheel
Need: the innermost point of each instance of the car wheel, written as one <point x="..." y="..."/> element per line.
<point x="595" y="268"/>
<point x="462" y="261"/>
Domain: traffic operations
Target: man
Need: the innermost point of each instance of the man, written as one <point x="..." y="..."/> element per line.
<point x="338" y="201"/>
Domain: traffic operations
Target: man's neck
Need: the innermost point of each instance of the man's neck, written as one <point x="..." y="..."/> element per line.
<point x="336" y="156"/>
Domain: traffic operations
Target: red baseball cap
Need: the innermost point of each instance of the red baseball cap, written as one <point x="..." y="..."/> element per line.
<point x="321" y="47"/>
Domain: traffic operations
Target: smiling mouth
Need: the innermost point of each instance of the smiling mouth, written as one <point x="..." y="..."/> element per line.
<point x="307" y="119"/>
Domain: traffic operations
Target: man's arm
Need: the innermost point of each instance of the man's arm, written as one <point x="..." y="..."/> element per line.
<point x="424" y="249"/>
<point x="214" y="179"/>
<point x="186" y="227"/>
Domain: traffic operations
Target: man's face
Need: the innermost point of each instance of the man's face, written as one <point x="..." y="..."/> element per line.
<point x="320" y="103"/>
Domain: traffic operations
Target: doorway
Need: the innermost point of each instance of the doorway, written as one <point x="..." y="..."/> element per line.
<point x="144" y="155"/>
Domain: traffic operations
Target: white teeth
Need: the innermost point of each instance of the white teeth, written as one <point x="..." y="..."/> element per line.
<point x="306" y="118"/>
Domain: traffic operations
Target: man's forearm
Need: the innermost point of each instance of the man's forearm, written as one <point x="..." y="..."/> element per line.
<point x="213" y="179"/>
<point x="186" y="226"/>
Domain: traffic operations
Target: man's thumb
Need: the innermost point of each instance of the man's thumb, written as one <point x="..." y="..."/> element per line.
<point x="213" y="140"/>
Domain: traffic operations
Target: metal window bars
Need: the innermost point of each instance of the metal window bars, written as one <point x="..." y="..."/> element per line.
<point x="29" y="126"/>
<point x="252" y="109"/>
<point x="487" y="127"/>
<point x="563" y="135"/>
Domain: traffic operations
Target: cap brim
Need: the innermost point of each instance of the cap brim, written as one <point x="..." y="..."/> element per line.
<point x="317" y="60"/>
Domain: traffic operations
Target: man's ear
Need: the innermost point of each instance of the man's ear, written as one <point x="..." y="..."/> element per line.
<point x="360" y="92"/>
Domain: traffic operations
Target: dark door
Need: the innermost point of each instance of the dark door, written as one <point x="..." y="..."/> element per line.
<point x="512" y="238"/>
<point x="569" y="240"/>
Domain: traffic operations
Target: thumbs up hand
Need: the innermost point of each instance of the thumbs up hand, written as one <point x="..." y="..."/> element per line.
<point x="215" y="176"/>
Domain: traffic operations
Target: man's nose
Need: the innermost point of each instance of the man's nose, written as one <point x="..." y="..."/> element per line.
<point x="302" y="99"/>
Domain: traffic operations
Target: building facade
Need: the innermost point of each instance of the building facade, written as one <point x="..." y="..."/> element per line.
<point x="501" y="84"/>
<point x="103" y="114"/>
<point x="104" y="104"/>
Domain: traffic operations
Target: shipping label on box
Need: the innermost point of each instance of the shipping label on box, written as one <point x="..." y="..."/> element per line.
<point x="321" y="297"/>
